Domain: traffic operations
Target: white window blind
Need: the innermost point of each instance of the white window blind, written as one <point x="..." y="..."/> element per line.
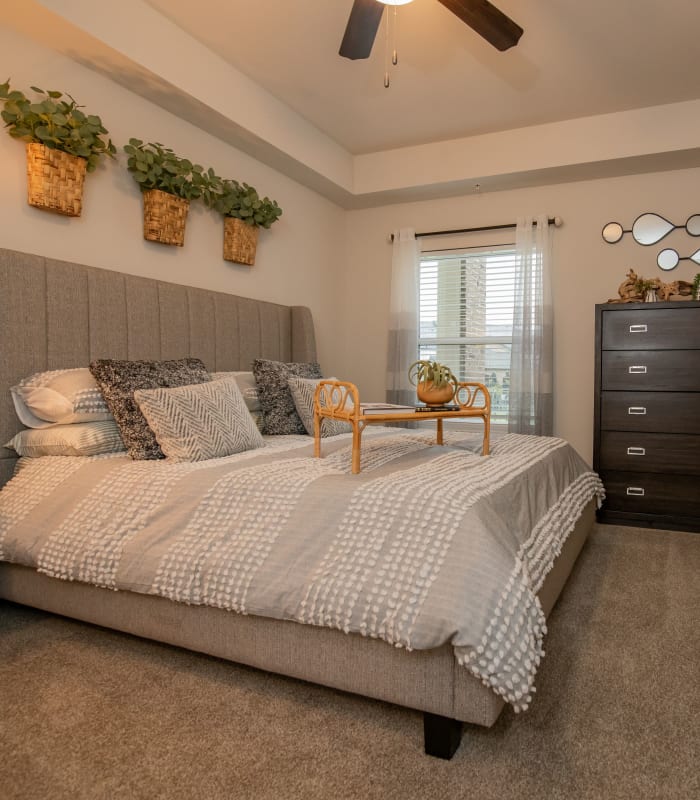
<point x="466" y="316"/>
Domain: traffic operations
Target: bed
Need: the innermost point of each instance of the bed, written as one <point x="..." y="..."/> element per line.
<point x="61" y="315"/>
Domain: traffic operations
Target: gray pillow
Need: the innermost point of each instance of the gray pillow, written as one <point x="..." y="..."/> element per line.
<point x="279" y="412"/>
<point x="78" y="439"/>
<point x="118" y="381"/>
<point x="196" y="423"/>
<point x="303" y="391"/>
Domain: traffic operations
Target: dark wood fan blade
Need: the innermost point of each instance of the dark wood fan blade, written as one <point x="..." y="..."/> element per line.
<point x="498" y="29"/>
<point x="362" y="28"/>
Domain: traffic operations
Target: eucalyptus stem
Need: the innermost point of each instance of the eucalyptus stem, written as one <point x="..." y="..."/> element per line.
<point x="57" y="123"/>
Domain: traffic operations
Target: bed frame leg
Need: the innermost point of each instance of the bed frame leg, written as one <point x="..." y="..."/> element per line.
<point x="442" y="735"/>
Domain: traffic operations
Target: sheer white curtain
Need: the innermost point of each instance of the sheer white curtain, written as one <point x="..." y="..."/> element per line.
<point x="403" y="316"/>
<point x="531" y="379"/>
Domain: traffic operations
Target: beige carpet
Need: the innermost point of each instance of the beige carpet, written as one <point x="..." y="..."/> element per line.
<point x="87" y="713"/>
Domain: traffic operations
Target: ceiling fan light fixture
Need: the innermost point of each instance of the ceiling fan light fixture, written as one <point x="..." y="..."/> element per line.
<point x="481" y="16"/>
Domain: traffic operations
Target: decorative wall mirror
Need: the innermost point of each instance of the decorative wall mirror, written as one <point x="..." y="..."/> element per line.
<point x="650" y="229"/>
<point x="669" y="259"/>
<point x="613" y="232"/>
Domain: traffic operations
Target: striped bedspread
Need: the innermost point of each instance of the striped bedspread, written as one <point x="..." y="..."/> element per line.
<point x="427" y="545"/>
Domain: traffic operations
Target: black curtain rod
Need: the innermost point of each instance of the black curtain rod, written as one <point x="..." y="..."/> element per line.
<point x="551" y="220"/>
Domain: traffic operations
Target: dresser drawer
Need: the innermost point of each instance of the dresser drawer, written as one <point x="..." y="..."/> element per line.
<point x="651" y="370"/>
<point x="651" y="329"/>
<point x="650" y="452"/>
<point x="649" y="493"/>
<point x="655" y="412"/>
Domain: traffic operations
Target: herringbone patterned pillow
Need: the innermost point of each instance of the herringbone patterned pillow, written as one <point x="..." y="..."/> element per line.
<point x="201" y="421"/>
<point x="303" y="391"/>
<point x="118" y="381"/>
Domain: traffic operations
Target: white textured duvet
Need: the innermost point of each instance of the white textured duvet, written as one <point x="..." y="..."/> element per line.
<point x="427" y="545"/>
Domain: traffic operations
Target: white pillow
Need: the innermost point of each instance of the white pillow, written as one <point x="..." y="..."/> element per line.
<point x="303" y="391"/>
<point x="59" y="397"/>
<point x="199" y="421"/>
<point x="81" y="439"/>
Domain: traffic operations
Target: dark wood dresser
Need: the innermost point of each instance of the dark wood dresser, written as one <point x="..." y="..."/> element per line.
<point x="647" y="413"/>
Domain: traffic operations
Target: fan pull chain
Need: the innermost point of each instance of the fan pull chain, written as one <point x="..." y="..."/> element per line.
<point x="392" y="27"/>
<point x="395" y="54"/>
<point x="387" y="40"/>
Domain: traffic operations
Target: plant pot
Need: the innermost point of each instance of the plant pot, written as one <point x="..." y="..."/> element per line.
<point x="164" y="217"/>
<point x="240" y="241"/>
<point x="55" y="180"/>
<point x="434" y="396"/>
<point x="650" y="296"/>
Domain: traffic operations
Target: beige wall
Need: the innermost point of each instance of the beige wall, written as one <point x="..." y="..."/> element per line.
<point x="336" y="262"/>
<point x="296" y="257"/>
<point x="586" y="271"/>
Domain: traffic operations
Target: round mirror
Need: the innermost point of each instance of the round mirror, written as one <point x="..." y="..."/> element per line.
<point x="612" y="232"/>
<point x="651" y="228"/>
<point x="696" y="257"/>
<point x="668" y="259"/>
<point x="692" y="225"/>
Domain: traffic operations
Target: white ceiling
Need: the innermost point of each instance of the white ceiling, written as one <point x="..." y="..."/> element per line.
<point x="575" y="59"/>
<point x="590" y="91"/>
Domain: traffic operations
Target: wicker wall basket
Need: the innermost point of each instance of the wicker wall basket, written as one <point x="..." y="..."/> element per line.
<point x="240" y="241"/>
<point x="164" y="217"/>
<point x="55" y="180"/>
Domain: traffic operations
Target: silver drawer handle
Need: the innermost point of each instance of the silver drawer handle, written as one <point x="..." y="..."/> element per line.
<point x="636" y="451"/>
<point x="638" y="328"/>
<point x="637" y="491"/>
<point x="638" y="370"/>
<point x="636" y="410"/>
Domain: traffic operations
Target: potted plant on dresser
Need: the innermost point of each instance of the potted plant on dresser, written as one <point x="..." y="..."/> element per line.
<point x="62" y="144"/>
<point x="168" y="183"/>
<point x="647" y="289"/>
<point x="244" y="212"/>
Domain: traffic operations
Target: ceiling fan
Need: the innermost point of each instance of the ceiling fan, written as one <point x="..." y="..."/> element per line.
<point x="483" y="17"/>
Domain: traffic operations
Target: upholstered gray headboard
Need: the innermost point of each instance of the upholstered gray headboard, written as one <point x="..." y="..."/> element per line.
<point x="54" y="314"/>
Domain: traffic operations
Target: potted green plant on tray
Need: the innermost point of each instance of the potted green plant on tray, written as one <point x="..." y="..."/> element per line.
<point x="62" y="144"/>
<point x="244" y="212"/>
<point x="435" y="383"/>
<point x="696" y="287"/>
<point x="168" y="182"/>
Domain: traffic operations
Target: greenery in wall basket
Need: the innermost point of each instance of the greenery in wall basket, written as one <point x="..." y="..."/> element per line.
<point x="240" y="201"/>
<point x="155" y="166"/>
<point x="57" y="122"/>
<point x="244" y="213"/>
<point x="168" y="183"/>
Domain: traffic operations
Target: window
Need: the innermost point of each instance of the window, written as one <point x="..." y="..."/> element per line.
<point x="466" y="317"/>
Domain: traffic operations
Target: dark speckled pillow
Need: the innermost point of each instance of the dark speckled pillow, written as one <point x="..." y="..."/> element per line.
<point x="118" y="381"/>
<point x="279" y="412"/>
